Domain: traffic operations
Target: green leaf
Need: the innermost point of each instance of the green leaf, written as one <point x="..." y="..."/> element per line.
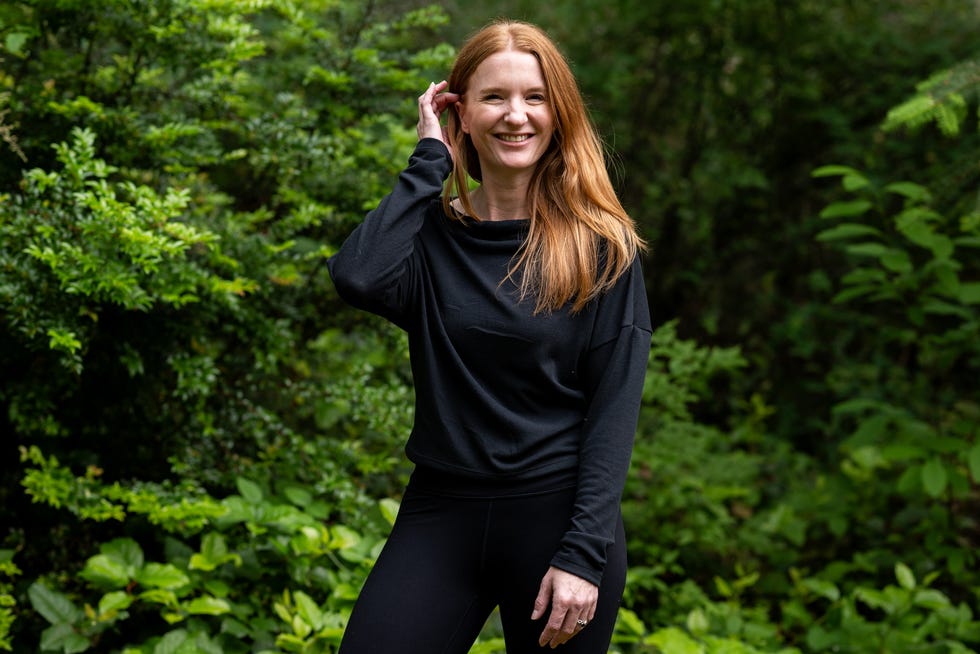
<point x="298" y="496"/>
<point x="847" y="209"/>
<point x="106" y="571"/>
<point x="969" y="292"/>
<point x="54" y="606"/>
<point x="171" y="642"/>
<point x="673" y="640"/>
<point x="389" y="509"/>
<point x="62" y="637"/>
<point x="911" y="191"/>
<point x="343" y="537"/>
<point x="868" y="249"/>
<point x="847" y="230"/>
<point x="934" y="477"/>
<point x="835" y="170"/>
<point x="823" y="588"/>
<point x="491" y="646"/>
<point x="159" y="596"/>
<point x="931" y="599"/>
<point x="854" y="182"/>
<point x="158" y="575"/>
<point x="125" y="550"/>
<point x="249" y="490"/>
<point x="904" y="575"/>
<point x="207" y="605"/>
<point x="308" y="610"/>
<point x="896" y="261"/>
<point x="973" y="461"/>
<point x="115" y="601"/>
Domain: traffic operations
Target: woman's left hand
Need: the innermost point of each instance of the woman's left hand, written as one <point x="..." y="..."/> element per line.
<point x="572" y="600"/>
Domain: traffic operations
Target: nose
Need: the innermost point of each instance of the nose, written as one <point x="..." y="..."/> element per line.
<point x="516" y="113"/>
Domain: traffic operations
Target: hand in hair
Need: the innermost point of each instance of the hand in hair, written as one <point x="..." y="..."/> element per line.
<point x="432" y="104"/>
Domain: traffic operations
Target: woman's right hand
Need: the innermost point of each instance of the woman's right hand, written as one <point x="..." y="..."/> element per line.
<point x="432" y="104"/>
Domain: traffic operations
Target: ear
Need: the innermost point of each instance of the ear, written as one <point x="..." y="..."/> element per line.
<point x="460" y="108"/>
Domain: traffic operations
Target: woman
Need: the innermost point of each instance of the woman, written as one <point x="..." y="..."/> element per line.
<point x="529" y="333"/>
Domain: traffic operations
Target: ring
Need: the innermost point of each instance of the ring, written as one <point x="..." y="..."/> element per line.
<point x="581" y="623"/>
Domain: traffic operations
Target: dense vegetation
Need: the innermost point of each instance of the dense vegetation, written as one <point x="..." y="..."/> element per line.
<point x="201" y="445"/>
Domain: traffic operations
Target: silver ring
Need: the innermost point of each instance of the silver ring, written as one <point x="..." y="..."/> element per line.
<point x="581" y="623"/>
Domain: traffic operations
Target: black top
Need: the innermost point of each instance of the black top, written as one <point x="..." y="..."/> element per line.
<point x="502" y="395"/>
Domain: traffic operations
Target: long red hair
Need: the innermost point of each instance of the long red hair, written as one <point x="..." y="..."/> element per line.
<point x="575" y="214"/>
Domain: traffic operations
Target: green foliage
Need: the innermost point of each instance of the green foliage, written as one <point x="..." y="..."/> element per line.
<point x="8" y="570"/>
<point x="213" y="430"/>
<point x="943" y="99"/>
<point x="223" y="562"/>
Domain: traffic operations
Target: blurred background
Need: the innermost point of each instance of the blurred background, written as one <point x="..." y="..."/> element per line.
<point x="201" y="445"/>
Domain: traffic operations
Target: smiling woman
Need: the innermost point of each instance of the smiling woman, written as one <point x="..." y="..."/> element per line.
<point x="506" y="114"/>
<point x="529" y="332"/>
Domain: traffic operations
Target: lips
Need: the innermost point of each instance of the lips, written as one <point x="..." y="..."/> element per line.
<point x="513" y="138"/>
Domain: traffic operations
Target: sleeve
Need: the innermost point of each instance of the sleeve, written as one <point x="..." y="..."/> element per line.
<point x="373" y="270"/>
<point x="614" y="371"/>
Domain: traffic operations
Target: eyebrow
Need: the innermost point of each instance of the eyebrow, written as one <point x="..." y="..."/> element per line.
<point x="495" y="89"/>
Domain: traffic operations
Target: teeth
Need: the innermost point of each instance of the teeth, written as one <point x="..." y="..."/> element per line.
<point x="514" y="138"/>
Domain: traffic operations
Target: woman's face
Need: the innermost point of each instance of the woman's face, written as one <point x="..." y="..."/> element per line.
<point x="506" y="113"/>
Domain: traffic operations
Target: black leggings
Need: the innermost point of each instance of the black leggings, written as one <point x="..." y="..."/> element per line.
<point x="449" y="561"/>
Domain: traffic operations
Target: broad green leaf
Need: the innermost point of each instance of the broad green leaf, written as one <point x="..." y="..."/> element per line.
<point x="249" y="490"/>
<point x="158" y="575"/>
<point x="854" y="182"/>
<point x="819" y="639"/>
<point x="904" y="576"/>
<point x="389" y="509"/>
<point x="934" y="477"/>
<point x="234" y="628"/>
<point x="171" y="642"/>
<point x="846" y="209"/>
<point x="213" y="546"/>
<point x="834" y="170"/>
<point x="911" y="191"/>
<point x="868" y="249"/>
<point x="675" y="641"/>
<point x="298" y="496"/>
<point x="117" y="600"/>
<point x="847" y="230"/>
<point x="125" y="550"/>
<point x="62" y="637"/>
<point x="697" y="622"/>
<point x="54" y="606"/>
<point x="214" y="553"/>
<point x="823" y="588"/>
<point x="969" y="292"/>
<point x="973" y="461"/>
<point x="896" y="261"/>
<point x="931" y="599"/>
<point x="207" y="605"/>
<point x="343" y="537"/>
<point x="301" y="627"/>
<point x="160" y="596"/>
<point x="870" y="430"/>
<point x="106" y="571"/>
<point x="308" y="609"/>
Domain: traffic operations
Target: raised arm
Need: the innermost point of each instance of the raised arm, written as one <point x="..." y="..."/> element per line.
<point x="373" y="269"/>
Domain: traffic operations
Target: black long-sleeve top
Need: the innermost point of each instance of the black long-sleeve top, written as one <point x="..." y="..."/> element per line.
<point x="502" y="394"/>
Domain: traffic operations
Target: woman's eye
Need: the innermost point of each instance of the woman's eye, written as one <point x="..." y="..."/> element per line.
<point x="537" y="97"/>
